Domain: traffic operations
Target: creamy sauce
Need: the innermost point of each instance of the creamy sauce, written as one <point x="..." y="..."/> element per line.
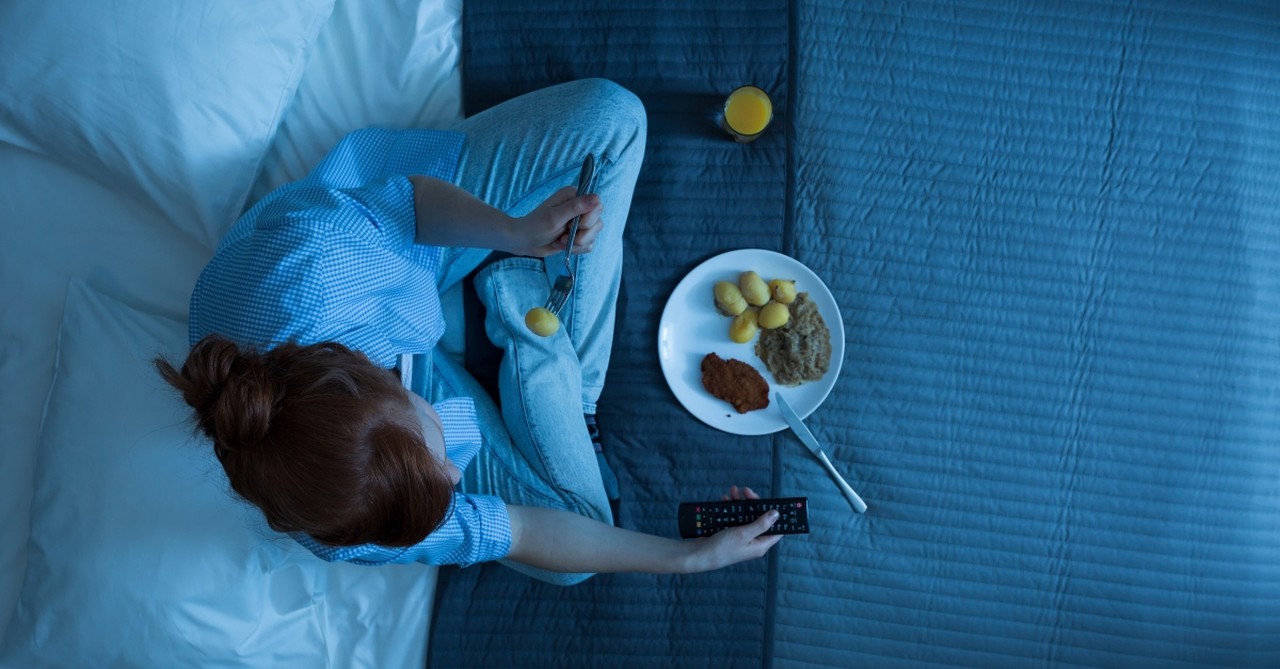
<point x="799" y="351"/>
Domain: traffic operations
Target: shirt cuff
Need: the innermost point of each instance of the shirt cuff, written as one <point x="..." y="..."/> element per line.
<point x="494" y="527"/>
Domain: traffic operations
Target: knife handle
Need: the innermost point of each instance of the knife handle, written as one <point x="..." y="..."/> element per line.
<point x="857" y="503"/>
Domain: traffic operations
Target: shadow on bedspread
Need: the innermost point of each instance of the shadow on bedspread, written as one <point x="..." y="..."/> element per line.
<point x="1054" y="233"/>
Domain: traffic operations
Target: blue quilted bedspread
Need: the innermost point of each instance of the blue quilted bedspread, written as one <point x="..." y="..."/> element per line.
<point x="1053" y="229"/>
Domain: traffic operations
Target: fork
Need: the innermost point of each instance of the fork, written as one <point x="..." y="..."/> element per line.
<point x="564" y="282"/>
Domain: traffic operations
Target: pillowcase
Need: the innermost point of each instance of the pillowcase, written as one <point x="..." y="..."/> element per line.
<point x="56" y="224"/>
<point x="140" y="556"/>
<point x="170" y="102"/>
<point x="386" y="64"/>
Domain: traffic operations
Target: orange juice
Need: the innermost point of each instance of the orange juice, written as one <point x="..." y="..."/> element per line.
<point x="747" y="113"/>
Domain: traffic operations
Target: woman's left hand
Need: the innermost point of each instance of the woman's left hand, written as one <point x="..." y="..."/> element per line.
<point x="545" y="230"/>
<point x="446" y="215"/>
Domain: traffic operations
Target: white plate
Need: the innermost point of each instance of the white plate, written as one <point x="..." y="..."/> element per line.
<point x="691" y="328"/>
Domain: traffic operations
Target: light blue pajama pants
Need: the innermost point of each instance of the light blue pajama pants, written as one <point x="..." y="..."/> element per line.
<point x="516" y="155"/>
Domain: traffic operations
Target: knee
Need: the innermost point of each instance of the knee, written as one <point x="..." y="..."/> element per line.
<point x="614" y="104"/>
<point x="626" y="106"/>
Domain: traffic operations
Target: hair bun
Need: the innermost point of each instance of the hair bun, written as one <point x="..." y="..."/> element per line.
<point x="231" y="389"/>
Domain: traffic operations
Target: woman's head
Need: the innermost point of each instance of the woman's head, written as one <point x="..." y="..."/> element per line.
<point x="320" y="439"/>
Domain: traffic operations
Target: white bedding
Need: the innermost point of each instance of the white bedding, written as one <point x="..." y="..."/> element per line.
<point x="131" y="134"/>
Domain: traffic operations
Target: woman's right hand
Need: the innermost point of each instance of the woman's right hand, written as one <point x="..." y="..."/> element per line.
<point x="736" y="544"/>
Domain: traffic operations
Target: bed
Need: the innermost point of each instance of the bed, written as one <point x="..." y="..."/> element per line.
<point x="1052" y="230"/>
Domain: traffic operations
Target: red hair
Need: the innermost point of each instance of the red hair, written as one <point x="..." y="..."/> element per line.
<point x="317" y="437"/>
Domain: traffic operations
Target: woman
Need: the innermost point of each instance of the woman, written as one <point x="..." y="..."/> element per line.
<point x="322" y="305"/>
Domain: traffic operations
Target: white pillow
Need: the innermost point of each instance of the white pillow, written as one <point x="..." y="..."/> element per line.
<point x="139" y="556"/>
<point x="170" y="102"/>
<point x="387" y="64"/>
<point x="55" y="224"/>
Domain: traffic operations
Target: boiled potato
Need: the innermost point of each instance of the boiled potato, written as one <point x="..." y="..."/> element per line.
<point x="541" y="321"/>
<point x="783" y="290"/>
<point x="754" y="290"/>
<point x="744" y="328"/>
<point x="729" y="299"/>
<point x="774" y="315"/>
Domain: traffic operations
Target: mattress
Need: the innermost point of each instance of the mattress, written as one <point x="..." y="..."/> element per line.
<point x="1052" y="230"/>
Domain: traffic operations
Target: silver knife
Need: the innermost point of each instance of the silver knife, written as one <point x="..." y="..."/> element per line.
<point x="811" y="442"/>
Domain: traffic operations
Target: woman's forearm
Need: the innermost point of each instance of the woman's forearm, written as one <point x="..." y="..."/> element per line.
<point x="567" y="542"/>
<point x="449" y="216"/>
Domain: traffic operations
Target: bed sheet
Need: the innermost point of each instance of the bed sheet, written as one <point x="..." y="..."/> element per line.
<point x="1052" y="229"/>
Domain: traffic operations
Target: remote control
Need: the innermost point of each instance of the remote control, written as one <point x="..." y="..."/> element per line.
<point x="703" y="519"/>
